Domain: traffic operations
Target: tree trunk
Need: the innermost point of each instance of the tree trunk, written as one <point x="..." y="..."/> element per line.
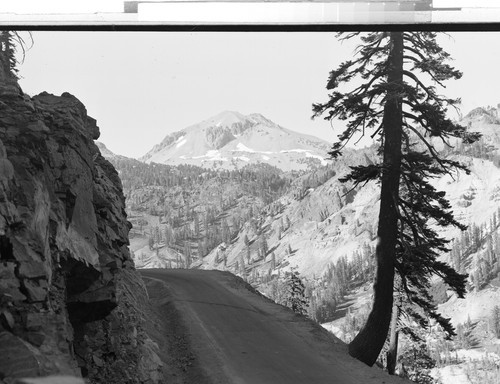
<point x="392" y="353"/>
<point x="368" y="343"/>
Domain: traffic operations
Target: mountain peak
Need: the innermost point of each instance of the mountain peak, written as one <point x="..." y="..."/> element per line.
<point x="232" y="140"/>
<point x="225" y="118"/>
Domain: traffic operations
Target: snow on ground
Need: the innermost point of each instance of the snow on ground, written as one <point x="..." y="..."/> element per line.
<point x="243" y="148"/>
<point x="476" y="354"/>
<point x="476" y="305"/>
<point x="194" y="157"/>
<point x="460" y="373"/>
<point x="244" y="158"/>
<point x="261" y="137"/>
<point x="214" y="155"/>
<point x="451" y="374"/>
<point x="294" y="150"/>
<point x="320" y="158"/>
<point x="266" y="158"/>
<point x="144" y="257"/>
<point x="181" y="142"/>
<point x="480" y="191"/>
<point x="332" y="328"/>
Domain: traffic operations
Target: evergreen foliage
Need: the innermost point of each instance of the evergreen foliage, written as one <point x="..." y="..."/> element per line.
<point x="339" y="279"/>
<point x="464" y="338"/>
<point x="482" y="242"/>
<point x="10" y="43"/>
<point x="417" y="363"/>
<point x="495" y="321"/>
<point x="199" y="209"/>
<point x="289" y="290"/>
<point x="403" y="114"/>
<point x="294" y="296"/>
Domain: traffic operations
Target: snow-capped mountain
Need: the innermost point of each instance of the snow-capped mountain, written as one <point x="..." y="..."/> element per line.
<point x="231" y="140"/>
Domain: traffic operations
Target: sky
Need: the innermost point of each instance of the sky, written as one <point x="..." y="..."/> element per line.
<point x="141" y="86"/>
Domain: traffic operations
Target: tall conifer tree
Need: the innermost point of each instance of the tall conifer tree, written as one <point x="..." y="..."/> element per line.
<point x="10" y="43"/>
<point x="397" y="103"/>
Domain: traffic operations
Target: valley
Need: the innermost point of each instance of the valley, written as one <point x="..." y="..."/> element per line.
<point x="261" y="223"/>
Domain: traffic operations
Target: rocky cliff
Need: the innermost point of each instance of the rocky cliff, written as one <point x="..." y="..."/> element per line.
<point x="70" y="298"/>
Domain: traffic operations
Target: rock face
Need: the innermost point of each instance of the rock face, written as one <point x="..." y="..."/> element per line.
<point x="70" y="298"/>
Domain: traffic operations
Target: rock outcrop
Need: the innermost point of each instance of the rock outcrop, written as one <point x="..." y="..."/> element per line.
<point x="70" y="298"/>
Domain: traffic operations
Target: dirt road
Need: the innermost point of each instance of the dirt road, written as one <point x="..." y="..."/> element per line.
<point x="238" y="336"/>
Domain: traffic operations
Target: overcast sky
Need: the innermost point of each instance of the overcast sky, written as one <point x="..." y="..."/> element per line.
<point x="140" y="86"/>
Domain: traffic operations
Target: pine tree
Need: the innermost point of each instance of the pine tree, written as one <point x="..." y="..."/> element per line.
<point x="288" y="222"/>
<point x="461" y="338"/>
<point x="10" y="43"/>
<point x="263" y="245"/>
<point x="246" y="241"/>
<point x="417" y="364"/>
<point x="249" y="255"/>
<point x="495" y="321"/>
<point x="196" y="225"/>
<point x="403" y="114"/>
<point x="295" y="298"/>
<point x="273" y="261"/>
<point x="226" y="233"/>
<point x="241" y="266"/>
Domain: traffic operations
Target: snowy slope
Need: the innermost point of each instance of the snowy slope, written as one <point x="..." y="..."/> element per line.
<point x="231" y="140"/>
<point x="351" y="225"/>
<point x="316" y="240"/>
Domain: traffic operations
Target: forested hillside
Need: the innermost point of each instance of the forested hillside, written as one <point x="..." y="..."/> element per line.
<point x="181" y="213"/>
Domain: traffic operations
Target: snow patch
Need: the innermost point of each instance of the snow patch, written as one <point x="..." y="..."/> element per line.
<point x="214" y="155"/>
<point x="293" y="150"/>
<point x="266" y="158"/>
<point x="475" y="305"/>
<point x="307" y="153"/>
<point x="180" y="142"/>
<point x="198" y="157"/>
<point x="243" y="148"/>
<point x="332" y="328"/>
<point x="244" y="158"/>
<point x="451" y="374"/>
